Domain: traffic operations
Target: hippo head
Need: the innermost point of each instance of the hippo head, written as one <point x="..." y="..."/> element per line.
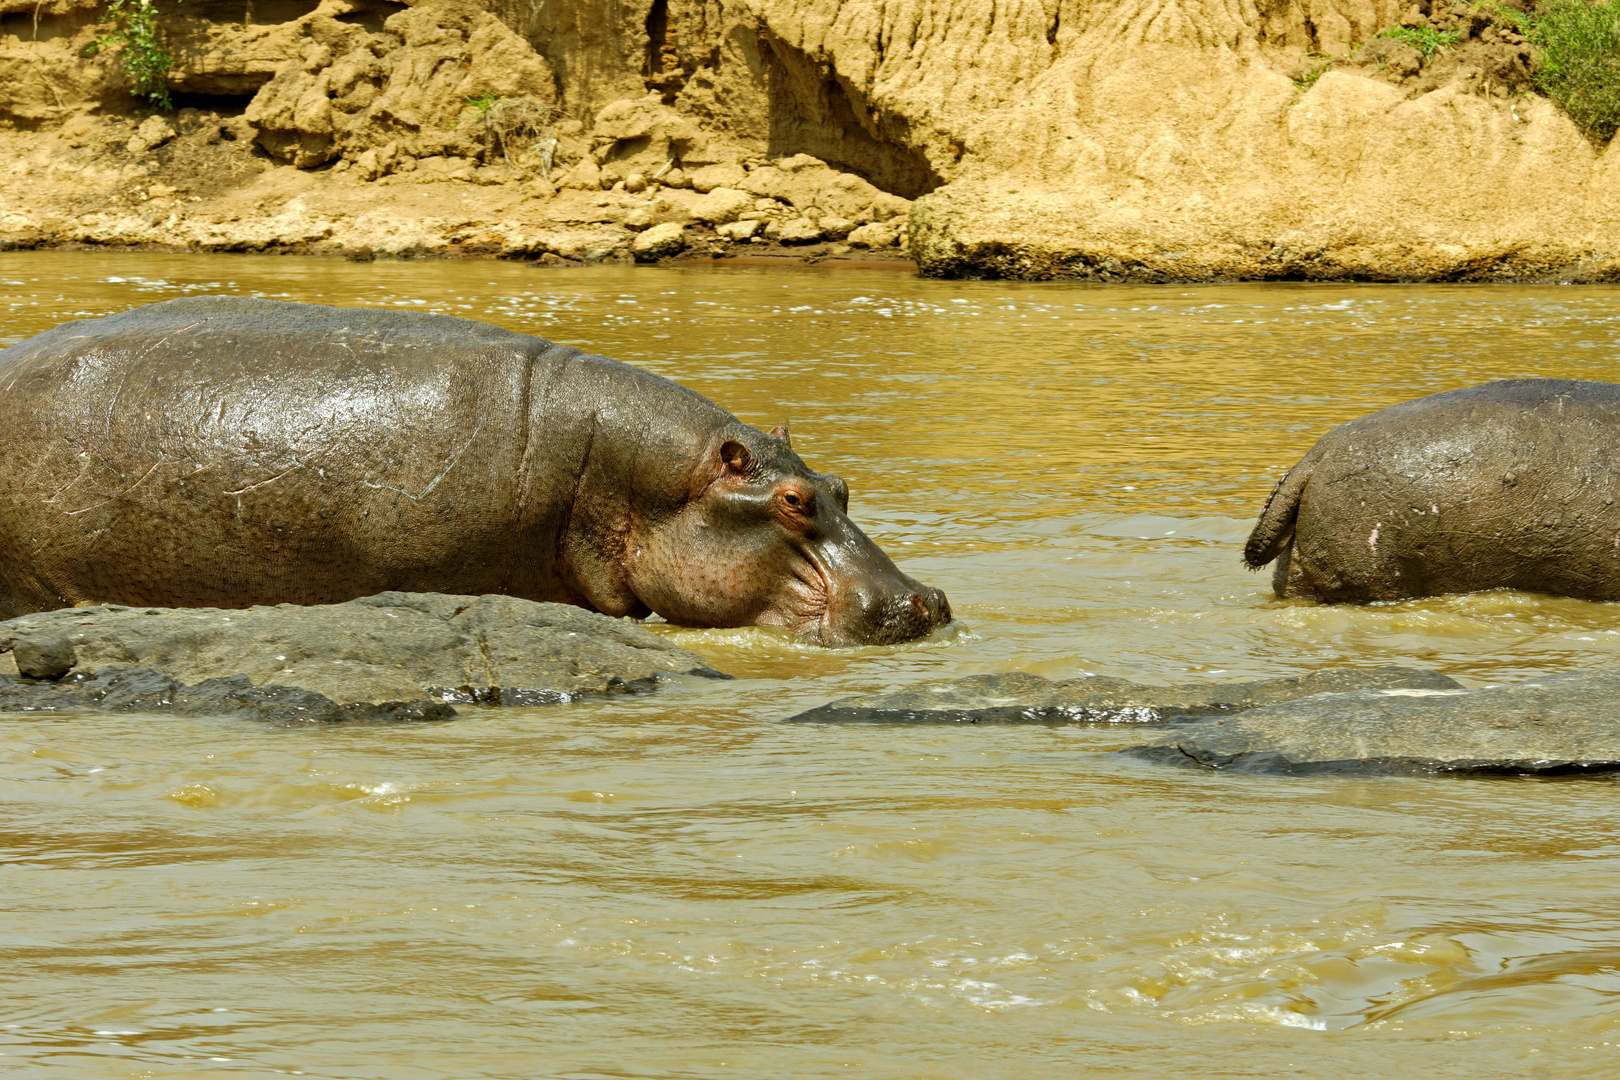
<point x="761" y="540"/>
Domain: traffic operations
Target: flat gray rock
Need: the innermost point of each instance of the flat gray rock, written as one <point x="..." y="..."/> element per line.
<point x="145" y="691"/>
<point x="1566" y="724"/>
<point x="405" y="652"/>
<point x="1021" y="698"/>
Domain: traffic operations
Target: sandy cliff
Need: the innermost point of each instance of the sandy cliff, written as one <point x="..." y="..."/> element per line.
<point x="1123" y="140"/>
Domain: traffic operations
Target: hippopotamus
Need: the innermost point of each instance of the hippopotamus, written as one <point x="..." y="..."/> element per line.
<point x="1508" y="485"/>
<point x="226" y="452"/>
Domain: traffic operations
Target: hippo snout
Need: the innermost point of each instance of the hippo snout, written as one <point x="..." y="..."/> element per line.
<point x="888" y="617"/>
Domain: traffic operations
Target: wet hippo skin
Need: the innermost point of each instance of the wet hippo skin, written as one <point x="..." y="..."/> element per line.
<point x="225" y="452"/>
<point x="1505" y="485"/>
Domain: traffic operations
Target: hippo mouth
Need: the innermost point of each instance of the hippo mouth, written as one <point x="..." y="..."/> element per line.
<point x="865" y="609"/>
<point x="846" y="597"/>
<point x="805" y="610"/>
<point x="818" y="605"/>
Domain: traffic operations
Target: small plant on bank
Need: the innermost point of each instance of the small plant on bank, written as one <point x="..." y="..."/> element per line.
<point x="516" y="126"/>
<point x="1321" y="64"/>
<point x="1579" y="62"/>
<point x="145" y="61"/>
<point x="1504" y="17"/>
<point x="1426" y="40"/>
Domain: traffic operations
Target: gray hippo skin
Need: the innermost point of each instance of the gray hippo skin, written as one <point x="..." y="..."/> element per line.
<point x="1509" y="485"/>
<point x="226" y="452"/>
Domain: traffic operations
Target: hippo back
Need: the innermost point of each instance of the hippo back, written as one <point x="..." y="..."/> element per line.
<point x="1511" y="484"/>
<point x="228" y="451"/>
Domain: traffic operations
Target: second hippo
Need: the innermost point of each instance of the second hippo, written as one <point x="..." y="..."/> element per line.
<point x="226" y="452"/>
<point x="1509" y="485"/>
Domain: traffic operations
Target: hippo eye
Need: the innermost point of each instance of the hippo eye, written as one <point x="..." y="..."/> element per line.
<point x="799" y="502"/>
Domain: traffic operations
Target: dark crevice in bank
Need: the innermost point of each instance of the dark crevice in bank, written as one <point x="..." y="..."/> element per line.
<point x="223" y="105"/>
<point x="815" y="110"/>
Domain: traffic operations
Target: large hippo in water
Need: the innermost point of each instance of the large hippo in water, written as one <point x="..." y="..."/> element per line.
<point x="225" y="452"/>
<point x="1509" y="485"/>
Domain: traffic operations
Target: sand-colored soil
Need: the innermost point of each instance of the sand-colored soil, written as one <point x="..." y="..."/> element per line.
<point x="1149" y="140"/>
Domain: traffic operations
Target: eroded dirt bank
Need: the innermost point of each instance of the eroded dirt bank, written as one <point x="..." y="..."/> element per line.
<point x="1188" y="140"/>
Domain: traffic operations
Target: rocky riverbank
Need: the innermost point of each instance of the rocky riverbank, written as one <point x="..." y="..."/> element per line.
<point x="1128" y="141"/>
<point x="373" y="129"/>
<point x="200" y="182"/>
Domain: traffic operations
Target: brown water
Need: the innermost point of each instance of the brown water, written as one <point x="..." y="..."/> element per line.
<point x="681" y="886"/>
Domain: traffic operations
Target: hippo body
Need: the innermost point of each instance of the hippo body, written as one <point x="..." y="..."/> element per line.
<point x="1508" y="485"/>
<point x="226" y="452"/>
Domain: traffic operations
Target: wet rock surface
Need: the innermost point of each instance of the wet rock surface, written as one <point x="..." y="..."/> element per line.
<point x="1555" y="725"/>
<point x="147" y="691"/>
<point x="394" y="656"/>
<point x="1021" y="698"/>
<point x="1389" y="720"/>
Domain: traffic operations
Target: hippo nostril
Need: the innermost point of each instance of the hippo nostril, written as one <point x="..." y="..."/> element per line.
<point x="930" y="606"/>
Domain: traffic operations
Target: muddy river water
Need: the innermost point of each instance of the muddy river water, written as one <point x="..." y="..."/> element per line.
<point x="679" y="885"/>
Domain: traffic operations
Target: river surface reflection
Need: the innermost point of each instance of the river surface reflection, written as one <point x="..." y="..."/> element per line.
<point x="679" y="886"/>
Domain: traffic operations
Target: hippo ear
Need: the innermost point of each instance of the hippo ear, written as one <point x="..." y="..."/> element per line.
<point x="840" y="491"/>
<point x="736" y="456"/>
<point x="780" y="431"/>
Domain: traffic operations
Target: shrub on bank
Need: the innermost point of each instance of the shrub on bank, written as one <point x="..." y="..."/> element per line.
<point x="145" y="61"/>
<point x="1579" y="62"/>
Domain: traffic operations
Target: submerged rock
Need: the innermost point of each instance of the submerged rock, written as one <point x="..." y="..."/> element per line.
<point x="1021" y="698"/>
<point x="1555" y="725"/>
<point x="390" y="656"/>
<point x="144" y="690"/>
<point x="1389" y="720"/>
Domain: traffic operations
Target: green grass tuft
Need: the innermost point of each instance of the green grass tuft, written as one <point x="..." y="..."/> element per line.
<point x="1504" y="17"/>
<point x="1323" y="64"/>
<point x="1426" y="40"/>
